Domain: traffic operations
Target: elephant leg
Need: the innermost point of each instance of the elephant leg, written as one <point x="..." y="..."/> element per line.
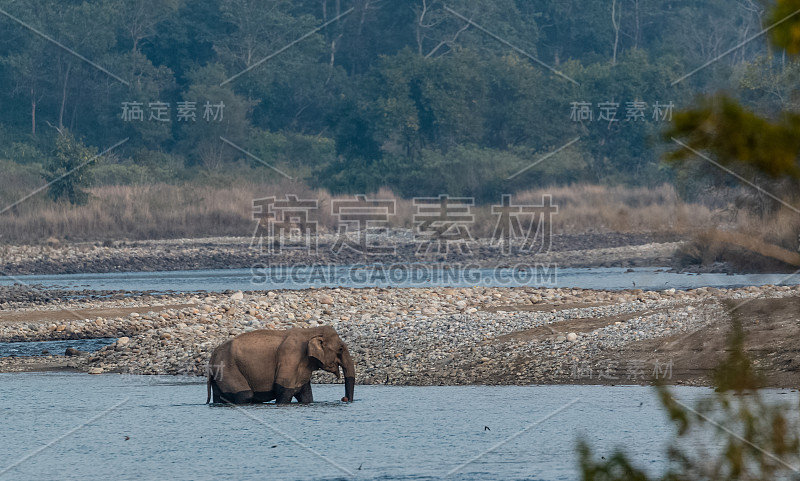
<point x="231" y="388"/>
<point x="241" y="397"/>
<point x="283" y="395"/>
<point x="304" y="394"/>
<point x="217" y="394"/>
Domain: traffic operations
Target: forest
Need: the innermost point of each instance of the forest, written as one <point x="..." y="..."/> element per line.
<point x="352" y="96"/>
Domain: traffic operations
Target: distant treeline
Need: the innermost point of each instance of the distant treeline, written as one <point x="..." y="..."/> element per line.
<point x="418" y="96"/>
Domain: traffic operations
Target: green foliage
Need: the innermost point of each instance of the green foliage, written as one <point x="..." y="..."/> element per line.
<point x="737" y="136"/>
<point x="18" y="180"/>
<point x="200" y="139"/>
<point x="143" y="168"/>
<point x="70" y="169"/>
<point x="786" y="33"/>
<point x="769" y="85"/>
<point x="369" y="99"/>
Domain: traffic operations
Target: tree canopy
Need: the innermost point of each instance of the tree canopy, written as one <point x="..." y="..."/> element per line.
<point x="353" y="96"/>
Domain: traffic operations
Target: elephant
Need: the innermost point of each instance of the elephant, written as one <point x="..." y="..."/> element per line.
<point x="262" y="365"/>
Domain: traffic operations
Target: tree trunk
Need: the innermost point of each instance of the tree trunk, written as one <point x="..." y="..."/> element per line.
<point x="63" y="99"/>
<point x="615" y="22"/>
<point x="33" y="111"/>
<point x="638" y="29"/>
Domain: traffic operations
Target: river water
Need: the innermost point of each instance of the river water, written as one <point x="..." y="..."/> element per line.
<point x="74" y="426"/>
<point x="44" y="348"/>
<point x="417" y="275"/>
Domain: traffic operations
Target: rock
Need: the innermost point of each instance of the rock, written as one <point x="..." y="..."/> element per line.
<point x="326" y="300"/>
<point x="61" y="328"/>
<point x="237" y="296"/>
<point x="123" y="341"/>
<point x="572" y="337"/>
<point x="73" y="352"/>
<point x="96" y="370"/>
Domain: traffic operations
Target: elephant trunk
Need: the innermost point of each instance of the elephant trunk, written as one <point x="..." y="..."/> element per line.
<point x="349" y="374"/>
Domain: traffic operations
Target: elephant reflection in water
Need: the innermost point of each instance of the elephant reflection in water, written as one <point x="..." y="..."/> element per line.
<point x="265" y="365"/>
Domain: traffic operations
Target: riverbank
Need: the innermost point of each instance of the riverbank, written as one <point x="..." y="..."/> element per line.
<point x="578" y="250"/>
<point x="437" y="336"/>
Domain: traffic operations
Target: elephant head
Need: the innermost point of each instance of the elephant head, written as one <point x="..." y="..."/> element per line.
<point x="332" y="353"/>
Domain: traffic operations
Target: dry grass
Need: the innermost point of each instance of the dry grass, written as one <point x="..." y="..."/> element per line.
<point x="596" y="208"/>
<point x="165" y="211"/>
<point x="747" y="237"/>
<point x="749" y="242"/>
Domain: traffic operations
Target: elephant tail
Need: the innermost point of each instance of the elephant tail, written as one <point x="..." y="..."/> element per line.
<point x="208" y="388"/>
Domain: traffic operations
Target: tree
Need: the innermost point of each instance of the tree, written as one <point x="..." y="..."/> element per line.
<point x="220" y="113"/>
<point x="70" y="169"/>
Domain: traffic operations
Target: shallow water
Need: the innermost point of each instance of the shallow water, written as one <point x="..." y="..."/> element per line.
<point x="395" y="276"/>
<point x="52" y="347"/>
<point x="389" y="432"/>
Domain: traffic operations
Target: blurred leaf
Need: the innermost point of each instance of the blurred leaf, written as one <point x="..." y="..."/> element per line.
<point x="736" y="136"/>
<point x="787" y="33"/>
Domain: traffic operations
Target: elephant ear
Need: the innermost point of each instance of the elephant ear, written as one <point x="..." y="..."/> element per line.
<point x="315" y="349"/>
